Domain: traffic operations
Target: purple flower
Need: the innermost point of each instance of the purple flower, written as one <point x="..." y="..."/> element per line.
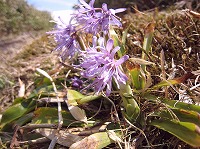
<point x="76" y="82"/>
<point x="110" y="18"/>
<point x="86" y="8"/>
<point x="95" y="20"/>
<point x="65" y="36"/>
<point x="99" y="64"/>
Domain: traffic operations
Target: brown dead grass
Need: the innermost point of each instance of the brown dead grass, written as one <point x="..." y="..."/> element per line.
<point x="21" y="63"/>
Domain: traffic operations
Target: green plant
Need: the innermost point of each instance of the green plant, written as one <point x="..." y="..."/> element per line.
<point x="139" y="107"/>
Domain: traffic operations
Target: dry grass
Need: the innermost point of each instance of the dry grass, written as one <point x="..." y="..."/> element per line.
<point x="176" y="33"/>
<point x="21" y="63"/>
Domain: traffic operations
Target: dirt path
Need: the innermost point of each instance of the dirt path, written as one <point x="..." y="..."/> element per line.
<point x="14" y="43"/>
<point x="20" y="56"/>
<point x="10" y="46"/>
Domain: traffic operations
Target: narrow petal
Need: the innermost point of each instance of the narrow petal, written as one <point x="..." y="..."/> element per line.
<point x="101" y="42"/>
<point x="104" y="7"/>
<point x="115" y="21"/>
<point x="114" y="51"/>
<point x="92" y="3"/>
<point x="94" y="41"/>
<point x="121" y="60"/>
<point x="109" y="45"/>
<point x="120" y="10"/>
<point x="85" y="4"/>
<point x="108" y="88"/>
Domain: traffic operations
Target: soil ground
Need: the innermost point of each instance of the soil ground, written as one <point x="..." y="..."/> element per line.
<point x="21" y="55"/>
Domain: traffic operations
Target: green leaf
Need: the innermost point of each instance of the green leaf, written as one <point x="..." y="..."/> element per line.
<point x="135" y="75"/>
<point x="24" y="119"/>
<point x="88" y="99"/>
<point x="185" y="131"/>
<point x="124" y="34"/>
<point x="132" y="110"/>
<point x="75" y="98"/>
<point x="182" y="115"/>
<point x="134" y="70"/>
<point x="16" y="111"/>
<point x="129" y="103"/>
<point x="181" y="105"/>
<point x="149" y="30"/>
<point x="47" y="115"/>
<point x="18" y="100"/>
<point x="173" y="81"/>
<point x="117" y="42"/>
<point x="173" y="103"/>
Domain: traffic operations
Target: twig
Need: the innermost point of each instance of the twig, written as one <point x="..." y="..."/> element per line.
<point x="142" y="132"/>
<point x="60" y="118"/>
<point x="118" y="120"/>
<point x="53" y="142"/>
<point x="69" y="66"/>
<point x="14" y="141"/>
<point x="162" y="63"/>
<point x="195" y="86"/>
<point x="97" y="111"/>
<point x="34" y="126"/>
<point x="36" y="141"/>
<point x="51" y="99"/>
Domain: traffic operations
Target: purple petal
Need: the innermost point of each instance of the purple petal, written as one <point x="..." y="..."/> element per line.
<point x="121" y="77"/>
<point x="108" y="89"/>
<point x="114" y="51"/>
<point x="120" y="10"/>
<point x="101" y="42"/>
<point x="122" y="60"/>
<point x="92" y="3"/>
<point x="85" y="4"/>
<point x="94" y="41"/>
<point x="109" y="45"/>
<point x="115" y="21"/>
<point x="104" y="7"/>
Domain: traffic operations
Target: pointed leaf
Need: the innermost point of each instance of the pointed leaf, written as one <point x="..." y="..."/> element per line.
<point x="44" y="73"/>
<point x="48" y="115"/>
<point x="173" y="81"/>
<point x="117" y="42"/>
<point x="132" y="110"/>
<point x="24" y="119"/>
<point x="73" y="96"/>
<point x="141" y="61"/>
<point x="182" y="115"/>
<point x="134" y="70"/>
<point x="185" y="131"/>
<point x="16" y="111"/>
<point x="173" y="103"/>
<point x="149" y="30"/>
<point x="88" y="99"/>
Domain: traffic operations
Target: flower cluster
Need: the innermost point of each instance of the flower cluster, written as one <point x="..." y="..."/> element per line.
<point x="98" y="61"/>
<point x="95" y="20"/>
<point x="65" y="36"/>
